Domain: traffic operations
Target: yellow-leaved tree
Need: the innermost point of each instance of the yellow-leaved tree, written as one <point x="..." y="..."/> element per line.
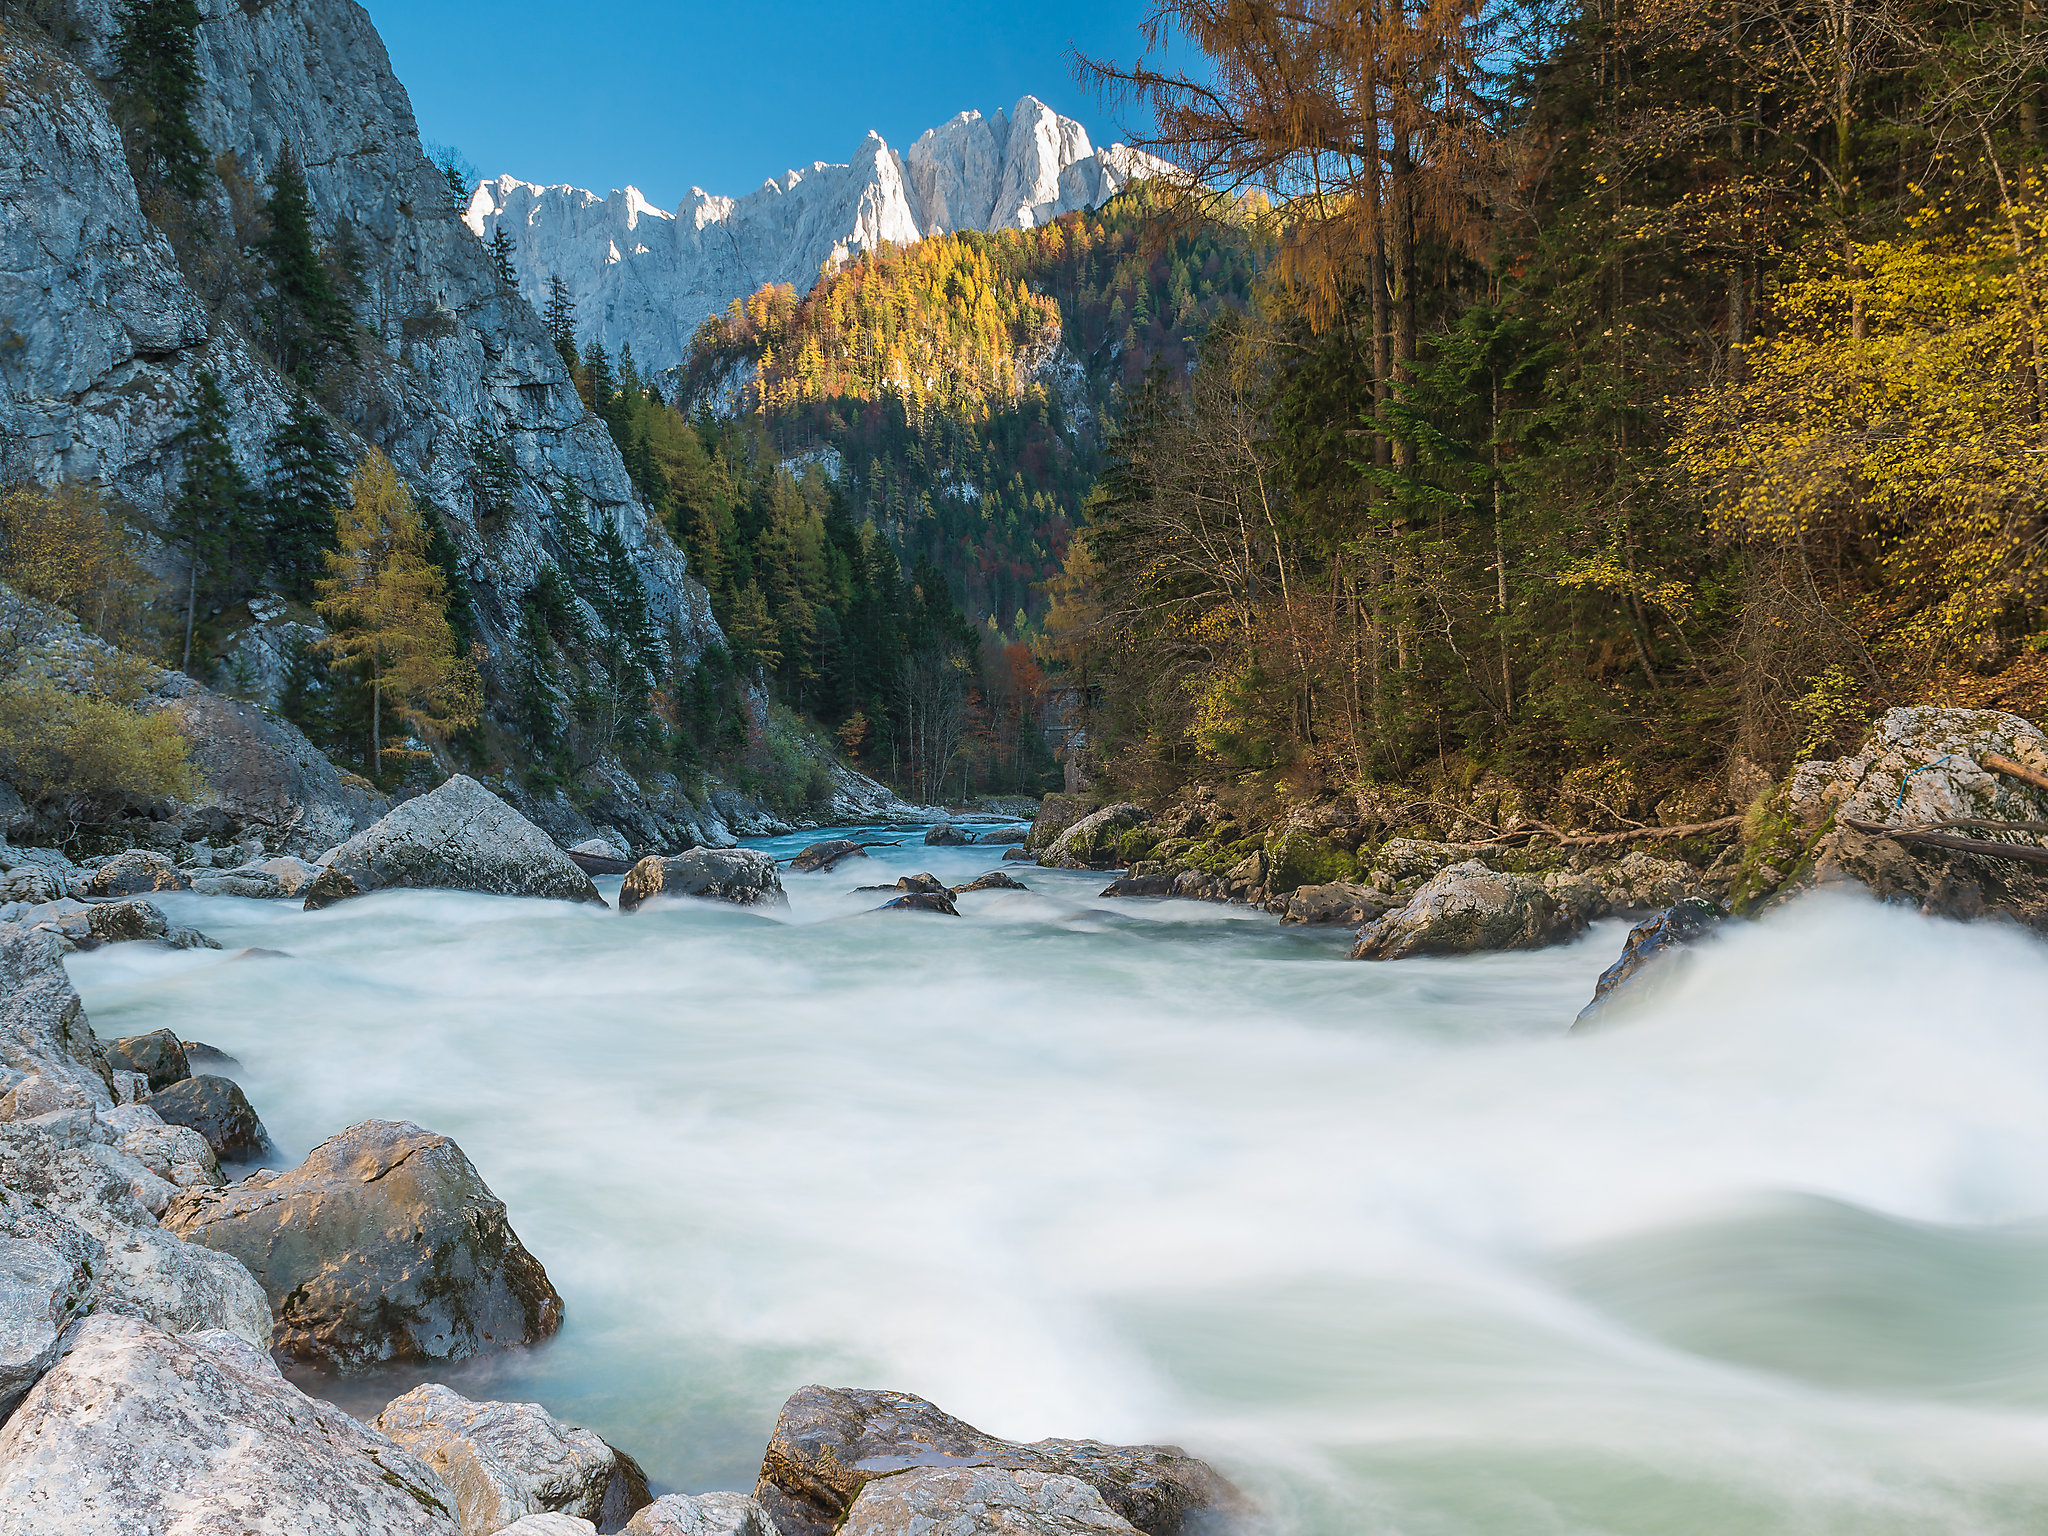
<point x="388" y="603"/>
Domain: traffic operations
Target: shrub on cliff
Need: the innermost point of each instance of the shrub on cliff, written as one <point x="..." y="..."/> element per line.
<point x="61" y="748"/>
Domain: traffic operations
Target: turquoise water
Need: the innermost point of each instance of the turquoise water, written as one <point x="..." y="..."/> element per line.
<point x="1382" y="1241"/>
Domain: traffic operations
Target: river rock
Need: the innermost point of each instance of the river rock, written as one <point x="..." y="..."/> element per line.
<point x="1340" y="902"/>
<point x="922" y="901"/>
<point x="702" y="1514"/>
<point x="1020" y="855"/>
<point x="981" y="1501"/>
<point x="1465" y="909"/>
<point x="1094" y="841"/>
<point x="135" y="1430"/>
<point x="1000" y="837"/>
<point x="43" y="1027"/>
<point x="384" y="1245"/>
<point x="823" y="856"/>
<point x="136" y="873"/>
<point x="995" y="880"/>
<point x="32" y="883"/>
<point x="158" y="1056"/>
<point x="1654" y="943"/>
<point x="548" y="1524"/>
<point x="177" y="1154"/>
<point x="459" y="837"/>
<point x="275" y="879"/>
<point x="1056" y="813"/>
<point x="218" y="1110"/>
<point x="504" y="1461"/>
<point x="831" y="1442"/>
<point x="737" y="875"/>
<point x="47" y="1282"/>
<point x="945" y="835"/>
<point x="212" y="1058"/>
<point x="1140" y="885"/>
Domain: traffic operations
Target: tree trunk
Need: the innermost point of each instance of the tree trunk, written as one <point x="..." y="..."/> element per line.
<point x="191" y="611"/>
<point x="376" y="721"/>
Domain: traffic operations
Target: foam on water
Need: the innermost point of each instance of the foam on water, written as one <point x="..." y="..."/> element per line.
<point x="1383" y="1241"/>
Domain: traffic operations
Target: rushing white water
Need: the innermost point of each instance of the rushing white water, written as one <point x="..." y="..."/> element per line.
<point x="1382" y="1241"/>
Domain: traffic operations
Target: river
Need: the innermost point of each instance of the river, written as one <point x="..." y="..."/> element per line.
<point x="1383" y="1242"/>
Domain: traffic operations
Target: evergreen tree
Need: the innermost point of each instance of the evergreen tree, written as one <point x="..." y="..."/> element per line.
<point x="215" y="522"/>
<point x="536" y="678"/>
<point x="156" y="68"/>
<point x="310" y="319"/>
<point x="560" y="317"/>
<point x="501" y="259"/>
<point x="494" y="474"/>
<point x="304" y="485"/>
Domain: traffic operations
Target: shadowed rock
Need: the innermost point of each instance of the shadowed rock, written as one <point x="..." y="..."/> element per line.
<point x="822" y="856"/>
<point x="158" y="1056"/>
<point x="217" y="1109"/>
<point x="922" y="901"/>
<point x="135" y="873"/>
<point x="384" y="1245"/>
<point x="737" y="875"/>
<point x="995" y="880"/>
<point x="945" y="835"/>
<point x="1649" y="944"/>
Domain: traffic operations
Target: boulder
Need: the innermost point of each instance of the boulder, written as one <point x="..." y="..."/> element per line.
<point x="702" y="1514"/>
<point x="945" y="835"/>
<point x="924" y="884"/>
<point x="829" y="1443"/>
<point x="1641" y="882"/>
<point x="137" y="1430"/>
<point x="549" y="1525"/>
<point x="1654" y="943"/>
<point x="275" y="879"/>
<point x="995" y="880"/>
<point x="1140" y="885"/>
<point x="982" y="1501"/>
<point x="135" y="873"/>
<point x="503" y="1461"/>
<point x="384" y="1245"/>
<point x="604" y="848"/>
<point x="459" y="837"/>
<point x="218" y="1110"/>
<point x="1465" y="909"/>
<point x="177" y="1154"/>
<point x="823" y="856"/>
<point x="1020" y="855"/>
<point x="1341" y="902"/>
<point x="1094" y="842"/>
<point x="158" y="1056"/>
<point x="33" y="883"/>
<point x="1000" y="837"/>
<point x="43" y="1028"/>
<point x="212" y="1058"/>
<point x="737" y="875"/>
<point x="922" y="901"/>
<point x="47" y="1283"/>
<point x="1056" y="813"/>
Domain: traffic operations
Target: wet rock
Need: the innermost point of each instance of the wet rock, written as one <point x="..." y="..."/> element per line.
<point x="1652" y="944"/>
<point x="922" y="901"/>
<point x="1465" y="909"/>
<point x="1094" y="842"/>
<point x="924" y="884"/>
<point x="1140" y="885"/>
<point x="158" y="1056"/>
<point x="945" y="835"/>
<point x="975" y="1500"/>
<point x="47" y="1283"/>
<point x="137" y="1430"/>
<point x="218" y="1110"/>
<point x="384" y="1245"/>
<point x="737" y="875"/>
<point x="702" y="1514"/>
<point x="199" y="1054"/>
<point x="1342" y="902"/>
<point x="994" y="880"/>
<point x="459" y="837"/>
<point x="275" y="879"/>
<point x="1020" y="855"/>
<point x="830" y="1443"/>
<point x="503" y="1461"/>
<point x="1056" y="813"/>
<point x="998" y="837"/>
<point x="823" y="856"/>
<point x="135" y="873"/>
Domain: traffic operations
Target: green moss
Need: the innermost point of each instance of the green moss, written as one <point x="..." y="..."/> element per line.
<point x="1298" y="860"/>
<point x="1136" y="844"/>
<point x="1772" y="839"/>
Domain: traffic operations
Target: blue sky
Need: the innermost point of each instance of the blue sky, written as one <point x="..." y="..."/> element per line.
<point x="666" y="95"/>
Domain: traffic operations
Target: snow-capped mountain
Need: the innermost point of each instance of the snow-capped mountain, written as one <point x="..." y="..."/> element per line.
<point x="648" y="278"/>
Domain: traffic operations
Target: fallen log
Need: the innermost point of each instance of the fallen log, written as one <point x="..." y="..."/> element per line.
<point x="2013" y="770"/>
<point x="1608" y="839"/>
<point x="2016" y="853"/>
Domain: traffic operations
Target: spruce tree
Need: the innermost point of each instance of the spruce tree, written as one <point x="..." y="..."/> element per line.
<point x="304" y="485"/>
<point x="215" y="520"/>
<point x="310" y="320"/>
<point x="501" y="259"/>
<point x="535" y="678"/>
<point x="156" y="69"/>
<point x="561" y="322"/>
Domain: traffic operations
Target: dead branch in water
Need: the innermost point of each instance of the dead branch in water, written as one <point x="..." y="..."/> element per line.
<point x="2017" y="853"/>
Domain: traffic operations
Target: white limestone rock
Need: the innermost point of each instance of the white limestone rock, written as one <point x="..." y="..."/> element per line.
<point x="1466" y="909"/>
<point x="135" y="1430"/>
<point x="47" y="1282"/>
<point x="1925" y="764"/>
<point x="702" y="1514"/>
<point x="981" y="1501"/>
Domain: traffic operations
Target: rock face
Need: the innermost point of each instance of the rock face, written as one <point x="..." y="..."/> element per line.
<point x="974" y="1500"/>
<point x="1094" y="841"/>
<point x="503" y="1461"/>
<point x="137" y="1430"/>
<point x="1466" y="908"/>
<point x="1655" y="942"/>
<point x="646" y="278"/>
<point x="702" y="1514"/>
<point x="459" y="837"/>
<point x="43" y="1029"/>
<point x="830" y="1444"/>
<point x="384" y="1245"/>
<point x="158" y="1056"/>
<point x="47" y="1283"/>
<point x="738" y="875"/>
<point x="824" y="856"/>
<point x="217" y="1109"/>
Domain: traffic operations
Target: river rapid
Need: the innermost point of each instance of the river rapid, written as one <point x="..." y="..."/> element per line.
<point x="1382" y="1242"/>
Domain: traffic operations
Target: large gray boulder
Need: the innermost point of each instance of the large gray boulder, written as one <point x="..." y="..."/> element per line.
<point x="1341" y="902"/>
<point x="702" y="1514"/>
<point x="138" y="872"/>
<point x="47" y="1282"/>
<point x="830" y="1443"/>
<point x="1056" y="813"/>
<point x="738" y="875"/>
<point x="1469" y="908"/>
<point x="177" y="1154"/>
<point x="218" y="1110"/>
<point x="503" y="1461"/>
<point x="982" y="1501"/>
<point x="459" y="837"/>
<point x="1094" y="842"/>
<point x="384" y="1245"/>
<point x="135" y="1430"/>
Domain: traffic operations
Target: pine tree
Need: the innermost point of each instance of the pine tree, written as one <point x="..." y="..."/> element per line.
<point x="572" y="526"/>
<point x="493" y="475"/>
<point x="388" y="603"/>
<point x="156" y="68"/>
<point x="304" y="485"/>
<point x="561" y="322"/>
<point x="215" y="520"/>
<point x="501" y="259"/>
<point x="535" y="678"/>
<point x="310" y="320"/>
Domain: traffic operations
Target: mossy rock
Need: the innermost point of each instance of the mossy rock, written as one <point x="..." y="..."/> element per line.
<point x="1137" y="844"/>
<point x="1298" y="859"/>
